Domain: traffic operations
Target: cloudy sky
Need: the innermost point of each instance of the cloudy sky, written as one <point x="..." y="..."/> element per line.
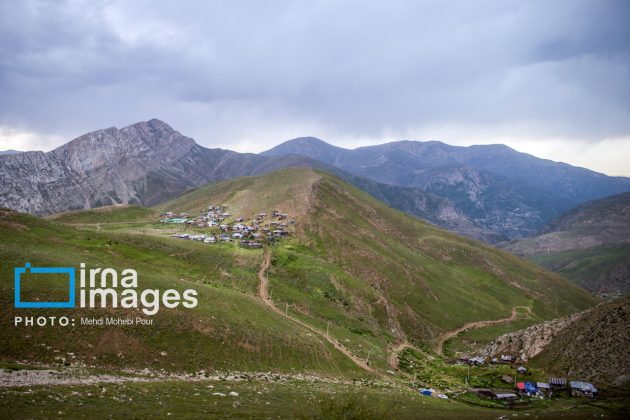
<point x="551" y="78"/>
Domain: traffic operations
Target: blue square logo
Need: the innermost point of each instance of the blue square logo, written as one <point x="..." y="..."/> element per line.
<point x="69" y="271"/>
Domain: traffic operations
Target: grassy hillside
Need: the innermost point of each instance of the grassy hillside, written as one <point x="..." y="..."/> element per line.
<point x="229" y="330"/>
<point x="374" y="275"/>
<point x="293" y="399"/>
<point x="360" y="277"/>
<point x="367" y="274"/>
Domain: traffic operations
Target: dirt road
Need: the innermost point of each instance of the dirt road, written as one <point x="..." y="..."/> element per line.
<point x="439" y="347"/>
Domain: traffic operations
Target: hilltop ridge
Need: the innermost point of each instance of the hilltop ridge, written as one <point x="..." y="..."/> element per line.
<point x="383" y="264"/>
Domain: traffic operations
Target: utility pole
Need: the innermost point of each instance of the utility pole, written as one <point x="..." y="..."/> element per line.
<point x="468" y="375"/>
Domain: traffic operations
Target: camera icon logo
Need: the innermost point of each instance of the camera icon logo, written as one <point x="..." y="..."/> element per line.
<point x="69" y="271"/>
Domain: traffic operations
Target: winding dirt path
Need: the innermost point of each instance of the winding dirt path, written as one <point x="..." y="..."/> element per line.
<point x="439" y="347"/>
<point x="263" y="292"/>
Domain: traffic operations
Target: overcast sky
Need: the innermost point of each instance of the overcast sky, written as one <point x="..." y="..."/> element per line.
<point x="551" y="78"/>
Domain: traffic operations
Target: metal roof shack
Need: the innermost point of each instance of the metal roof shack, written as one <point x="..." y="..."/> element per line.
<point x="543" y="388"/>
<point x="582" y="389"/>
<point x="558" y="382"/>
<point x="477" y="360"/>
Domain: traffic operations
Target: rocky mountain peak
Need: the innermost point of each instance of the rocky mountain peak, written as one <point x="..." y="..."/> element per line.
<point x="147" y="140"/>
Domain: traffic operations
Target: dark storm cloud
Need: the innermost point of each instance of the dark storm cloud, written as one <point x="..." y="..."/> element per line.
<point x="228" y="73"/>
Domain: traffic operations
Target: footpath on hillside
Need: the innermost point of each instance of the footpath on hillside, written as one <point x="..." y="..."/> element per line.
<point x="439" y="347"/>
<point x="264" y="296"/>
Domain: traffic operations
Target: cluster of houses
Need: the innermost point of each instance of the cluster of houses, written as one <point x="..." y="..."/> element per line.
<point x="249" y="233"/>
<point x="531" y="389"/>
<point x="480" y="360"/>
<point x="542" y="390"/>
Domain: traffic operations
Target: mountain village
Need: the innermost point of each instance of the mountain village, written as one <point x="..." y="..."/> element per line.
<point x="222" y="226"/>
<point x="521" y="386"/>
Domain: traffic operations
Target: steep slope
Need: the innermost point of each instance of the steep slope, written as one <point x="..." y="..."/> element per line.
<point x="498" y="188"/>
<point x="373" y="275"/>
<point x="427" y="206"/>
<point x="414" y="201"/>
<point x="589" y="244"/>
<point x="591" y="345"/>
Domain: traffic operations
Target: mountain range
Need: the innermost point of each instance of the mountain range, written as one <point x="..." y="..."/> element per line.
<point x="497" y="188"/>
<point x="492" y="193"/>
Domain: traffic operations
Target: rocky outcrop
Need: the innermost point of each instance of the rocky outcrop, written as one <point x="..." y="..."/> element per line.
<point x="531" y="341"/>
<point x="590" y="345"/>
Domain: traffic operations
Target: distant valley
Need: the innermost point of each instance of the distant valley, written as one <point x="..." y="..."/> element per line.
<point x="589" y="244"/>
